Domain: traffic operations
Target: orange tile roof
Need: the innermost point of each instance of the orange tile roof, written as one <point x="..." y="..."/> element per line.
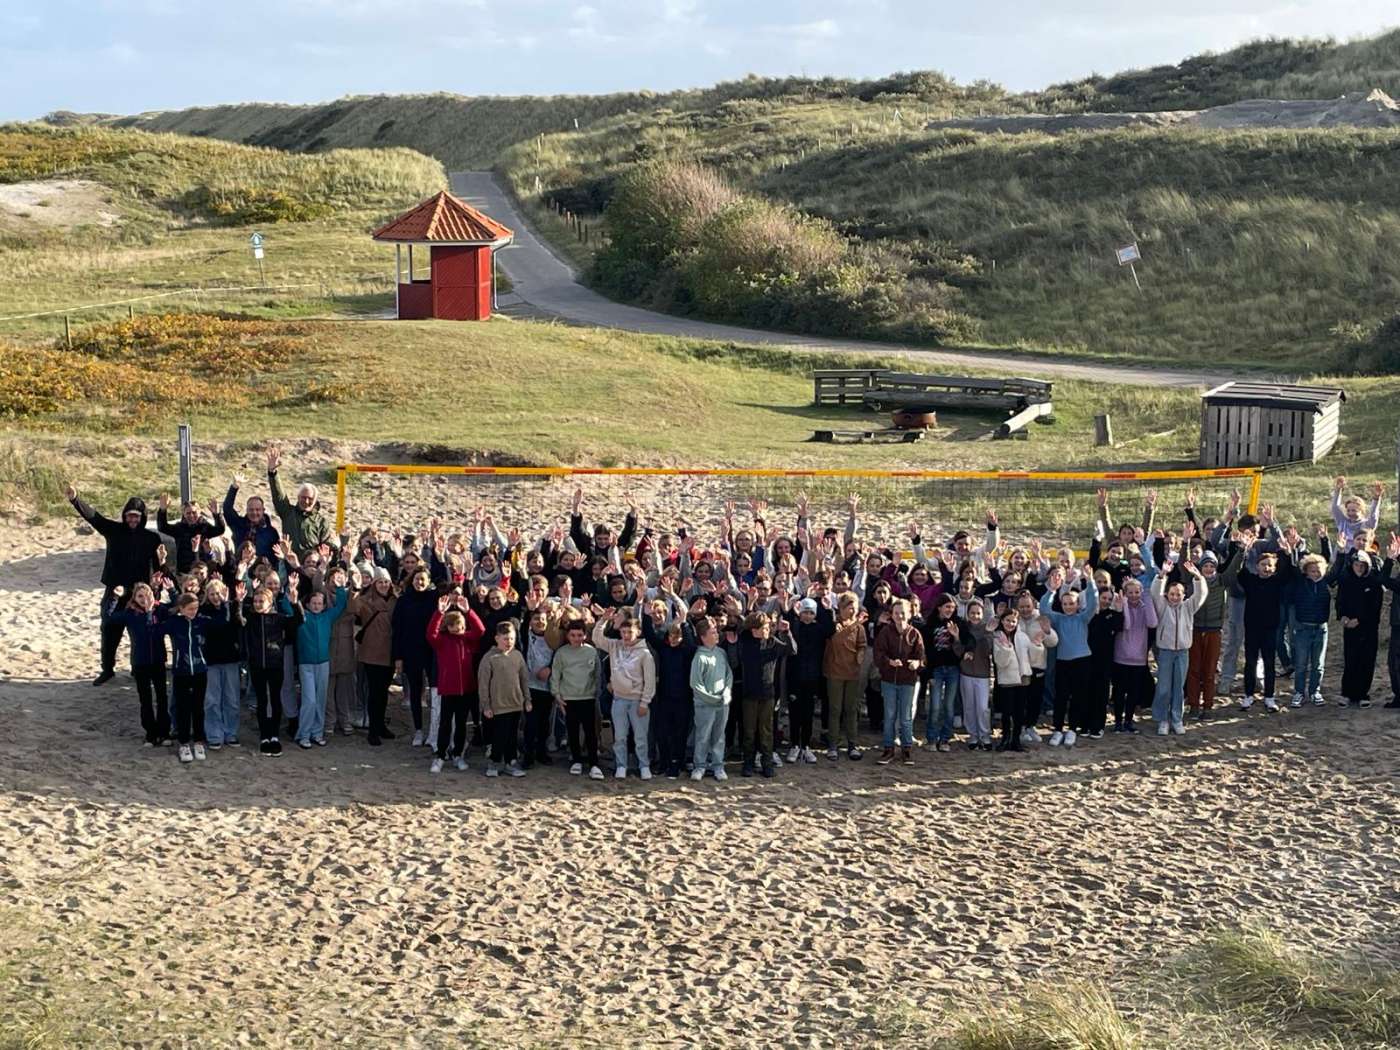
<point x="444" y="218"/>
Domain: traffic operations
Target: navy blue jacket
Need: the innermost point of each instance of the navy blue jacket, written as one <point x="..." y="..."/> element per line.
<point x="409" y="623"/>
<point x="187" y="642"/>
<point x="263" y="537"/>
<point x="144" y="629"/>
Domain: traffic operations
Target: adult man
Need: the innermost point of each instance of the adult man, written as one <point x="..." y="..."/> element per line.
<point x="601" y="543"/>
<point x="130" y="559"/>
<point x="254" y="524"/>
<point x="190" y="525"/>
<point x="303" y="521"/>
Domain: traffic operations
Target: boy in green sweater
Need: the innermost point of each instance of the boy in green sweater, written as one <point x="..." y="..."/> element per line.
<point x="573" y="682"/>
<point x="503" y="683"/>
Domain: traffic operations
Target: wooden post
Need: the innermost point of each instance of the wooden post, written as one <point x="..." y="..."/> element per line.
<point x="130" y="312"/>
<point x="67" y="333"/>
<point x="1103" y="430"/>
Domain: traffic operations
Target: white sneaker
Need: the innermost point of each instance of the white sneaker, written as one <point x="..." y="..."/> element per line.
<point x="620" y="773"/>
<point x="491" y="769"/>
<point x="698" y="773"/>
<point x="576" y="769"/>
<point x="436" y="766"/>
<point x="794" y="753"/>
<point x="646" y="772"/>
<point x="199" y="752"/>
<point x="809" y="756"/>
<point x="1297" y="700"/>
<point x="777" y="762"/>
<point x="1163" y="728"/>
<point x="1270" y="704"/>
<point x="721" y="775"/>
<point x="833" y="753"/>
<point x="461" y="763"/>
<point x="514" y="770"/>
<point x="1029" y="736"/>
<point x="1246" y="702"/>
<point x="595" y="773"/>
<point x="186" y="755"/>
<point x="1070" y="737"/>
<point x="1056" y="738"/>
<point x="1178" y="728"/>
<point x="1319" y="699"/>
<point x="418" y="738"/>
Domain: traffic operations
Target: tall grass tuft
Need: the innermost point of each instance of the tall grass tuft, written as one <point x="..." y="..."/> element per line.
<point x="1073" y="1016"/>
<point x="1256" y="972"/>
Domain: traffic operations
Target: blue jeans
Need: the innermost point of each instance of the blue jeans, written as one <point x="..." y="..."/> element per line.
<point x="1309" y="651"/>
<point x="1170" y="698"/>
<point x="942" y="703"/>
<point x="221" y="704"/>
<point x="898" y="699"/>
<point x="710" y="720"/>
<point x="315" y="681"/>
<point x="626" y="713"/>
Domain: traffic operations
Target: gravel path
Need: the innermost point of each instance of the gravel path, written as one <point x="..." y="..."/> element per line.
<point x="549" y="284"/>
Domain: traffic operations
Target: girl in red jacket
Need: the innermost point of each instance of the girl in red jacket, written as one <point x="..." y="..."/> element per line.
<point x="455" y="633"/>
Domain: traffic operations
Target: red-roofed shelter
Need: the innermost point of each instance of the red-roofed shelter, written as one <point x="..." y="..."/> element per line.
<point x="461" y="244"/>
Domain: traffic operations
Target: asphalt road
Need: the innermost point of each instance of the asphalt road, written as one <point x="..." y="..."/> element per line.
<point x="549" y="285"/>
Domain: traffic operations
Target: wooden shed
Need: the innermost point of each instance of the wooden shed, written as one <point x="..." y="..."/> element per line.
<point x="1259" y="424"/>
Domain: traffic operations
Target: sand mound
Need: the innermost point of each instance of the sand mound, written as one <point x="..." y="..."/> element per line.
<point x="1374" y="110"/>
<point x="56" y="204"/>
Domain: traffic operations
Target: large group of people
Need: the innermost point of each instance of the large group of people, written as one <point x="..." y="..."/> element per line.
<point x="759" y="645"/>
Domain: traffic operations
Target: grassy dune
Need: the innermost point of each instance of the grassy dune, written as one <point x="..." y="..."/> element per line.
<point x="1266" y="247"/>
<point x="183" y="209"/>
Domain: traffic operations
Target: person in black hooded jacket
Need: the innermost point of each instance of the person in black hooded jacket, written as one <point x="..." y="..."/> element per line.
<point x="130" y="559"/>
<point x="1360" y="593"/>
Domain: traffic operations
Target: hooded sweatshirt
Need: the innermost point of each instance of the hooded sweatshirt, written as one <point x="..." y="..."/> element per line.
<point x="1130" y="645"/>
<point x="131" y="553"/>
<point x="1072" y="628"/>
<point x="631" y="668"/>
<point x="1176" y="624"/>
<point x="143" y="629"/>
<point x="574" y="673"/>
<point x="1359" y="597"/>
<point x="711" y="681"/>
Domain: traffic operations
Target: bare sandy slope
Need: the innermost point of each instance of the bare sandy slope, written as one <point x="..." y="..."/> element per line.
<point x="347" y="895"/>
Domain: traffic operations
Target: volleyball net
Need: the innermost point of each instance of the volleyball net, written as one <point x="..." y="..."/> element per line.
<point x="1056" y="507"/>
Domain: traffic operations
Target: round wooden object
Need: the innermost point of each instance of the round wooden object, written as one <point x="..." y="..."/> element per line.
<point x="911" y="419"/>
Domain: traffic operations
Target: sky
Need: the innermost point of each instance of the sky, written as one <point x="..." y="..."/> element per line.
<point x="130" y="56"/>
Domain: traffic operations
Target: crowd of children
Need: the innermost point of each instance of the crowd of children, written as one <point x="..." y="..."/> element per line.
<point x="695" y="654"/>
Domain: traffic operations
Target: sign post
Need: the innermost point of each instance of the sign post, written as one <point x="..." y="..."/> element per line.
<point x="256" y="243"/>
<point x="1128" y="256"/>
<point x="186" y="458"/>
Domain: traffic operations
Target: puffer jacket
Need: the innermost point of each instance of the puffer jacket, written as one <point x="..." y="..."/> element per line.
<point x="1011" y="659"/>
<point x="631" y="668"/>
<point x="266" y="635"/>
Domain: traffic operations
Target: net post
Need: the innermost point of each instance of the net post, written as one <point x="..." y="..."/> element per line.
<point x="340" y="500"/>
<point x="1255" y="486"/>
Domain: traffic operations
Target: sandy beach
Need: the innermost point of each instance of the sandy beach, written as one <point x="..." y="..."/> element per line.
<point x="346" y="896"/>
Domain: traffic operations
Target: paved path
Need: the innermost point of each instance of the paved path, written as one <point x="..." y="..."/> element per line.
<point x="549" y="284"/>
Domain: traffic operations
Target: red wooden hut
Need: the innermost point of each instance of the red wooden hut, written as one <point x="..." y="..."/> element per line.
<point x="460" y="243"/>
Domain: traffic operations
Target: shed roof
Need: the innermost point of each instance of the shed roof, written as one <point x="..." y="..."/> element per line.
<point x="444" y="219"/>
<point x="1275" y="395"/>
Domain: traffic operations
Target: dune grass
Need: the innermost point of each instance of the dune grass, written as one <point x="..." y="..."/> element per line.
<point x="1247" y="987"/>
<point x="592" y="398"/>
<point x="185" y="208"/>
<point x="1262" y="247"/>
